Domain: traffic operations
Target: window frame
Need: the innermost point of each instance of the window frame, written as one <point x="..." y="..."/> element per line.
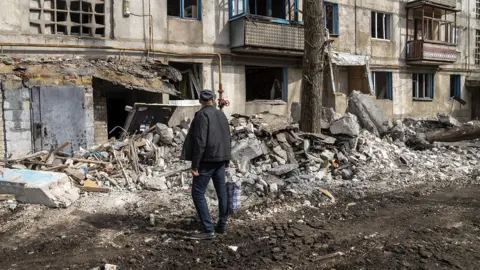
<point x="245" y="10"/>
<point x="182" y="11"/>
<point x="54" y="23"/>
<point x="477" y="47"/>
<point x="336" y="28"/>
<point x="477" y="9"/>
<point x="389" y="93"/>
<point x="455" y="86"/>
<point x="386" y="21"/>
<point x="284" y="82"/>
<point x="415" y="85"/>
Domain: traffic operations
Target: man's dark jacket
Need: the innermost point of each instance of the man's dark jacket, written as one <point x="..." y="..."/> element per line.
<point x="208" y="139"/>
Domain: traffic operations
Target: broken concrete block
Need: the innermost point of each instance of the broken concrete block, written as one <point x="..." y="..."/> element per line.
<point x="283" y="169"/>
<point x="179" y="138"/>
<point x="279" y="160"/>
<point x="156" y="183"/>
<point x="273" y="179"/>
<point x="246" y="150"/>
<point x="273" y="188"/>
<point x="156" y="139"/>
<point x="320" y="175"/>
<point x="398" y="131"/>
<point x="281" y="138"/>
<point x="262" y="182"/>
<point x="347" y="125"/>
<point x="280" y="152"/>
<point x="166" y="133"/>
<point x="448" y="120"/>
<point x="370" y="116"/>
<point x="347" y="174"/>
<point x="38" y="187"/>
<point x="238" y="122"/>
<point x="110" y="267"/>
<point x="149" y="137"/>
<point x="259" y="187"/>
<point x="327" y="155"/>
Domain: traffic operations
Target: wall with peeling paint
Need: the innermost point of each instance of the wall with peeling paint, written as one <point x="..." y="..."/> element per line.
<point x="389" y="55"/>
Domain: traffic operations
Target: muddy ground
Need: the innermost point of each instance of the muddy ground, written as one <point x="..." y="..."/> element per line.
<point x="418" y="228"/>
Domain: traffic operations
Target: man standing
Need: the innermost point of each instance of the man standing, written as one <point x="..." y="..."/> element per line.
<point x="208" y="146"/>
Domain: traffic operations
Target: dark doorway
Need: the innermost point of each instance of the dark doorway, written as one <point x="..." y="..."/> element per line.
<point x="116" y="113"/>
<point x="110" y="101"/>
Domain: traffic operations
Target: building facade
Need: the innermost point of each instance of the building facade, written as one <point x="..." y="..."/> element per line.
<point x="417" y="58"/>
<point x="421" y="56"/>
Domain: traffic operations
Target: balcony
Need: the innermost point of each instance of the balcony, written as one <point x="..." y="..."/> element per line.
<point x="266" y="36"/>
<point x="430" y="52"/>
<point x="432" y="32"/>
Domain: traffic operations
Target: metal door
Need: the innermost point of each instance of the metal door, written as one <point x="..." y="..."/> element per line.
<point x="58" y="116"/>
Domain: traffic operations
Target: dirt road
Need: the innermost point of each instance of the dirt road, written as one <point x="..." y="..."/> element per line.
<point x="421" y="228"/>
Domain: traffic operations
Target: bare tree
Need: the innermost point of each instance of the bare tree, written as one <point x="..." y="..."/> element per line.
<point x="313" y="61"/>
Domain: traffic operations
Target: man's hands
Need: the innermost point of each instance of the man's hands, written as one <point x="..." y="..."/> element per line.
<point x="195" y="173"/>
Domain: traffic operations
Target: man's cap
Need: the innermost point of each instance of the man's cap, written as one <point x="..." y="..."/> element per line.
<point x="206" y="95"/>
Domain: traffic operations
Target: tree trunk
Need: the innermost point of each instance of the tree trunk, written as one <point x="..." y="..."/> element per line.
<point x="456" y="134"/>
<point x="312" y="81"/>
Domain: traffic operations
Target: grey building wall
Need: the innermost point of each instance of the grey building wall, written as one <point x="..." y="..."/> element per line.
<point x="17" y="121"/>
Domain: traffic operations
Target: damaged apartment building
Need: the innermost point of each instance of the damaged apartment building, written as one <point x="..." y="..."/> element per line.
<point x="84" y="70"/>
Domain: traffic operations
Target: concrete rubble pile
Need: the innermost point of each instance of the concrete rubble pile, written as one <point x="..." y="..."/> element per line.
<point x="142" y="161"/>
<point x="271" y="157"/>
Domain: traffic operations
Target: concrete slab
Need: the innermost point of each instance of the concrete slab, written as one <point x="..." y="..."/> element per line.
<point x="37" y="187"/>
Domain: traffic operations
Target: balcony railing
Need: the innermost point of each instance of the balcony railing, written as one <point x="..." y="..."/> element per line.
<point x="246" y="32"/>
<point x="431" y="51"/>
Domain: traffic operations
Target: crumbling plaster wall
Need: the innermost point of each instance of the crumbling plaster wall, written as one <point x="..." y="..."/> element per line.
<point x="233" y="80"/>
<point x="355" y="31"/>
<point x="170" y="34"/>
<point x="389" y="55"/>
<point x="17" y="119"/>
<point x="17" y="109"/>
<point x="405" y="106"/>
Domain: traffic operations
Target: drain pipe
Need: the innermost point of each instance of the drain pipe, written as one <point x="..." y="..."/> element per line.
<point x="221" y="101"/>
<point x="5" y="152"/>
<point x="468" y="30"/>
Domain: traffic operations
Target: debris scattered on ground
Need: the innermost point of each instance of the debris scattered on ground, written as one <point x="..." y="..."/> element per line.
<point x="270" y="156"/>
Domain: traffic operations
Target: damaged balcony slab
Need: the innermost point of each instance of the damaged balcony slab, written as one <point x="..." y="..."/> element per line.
<point x="38" y="187"/>
<point x="151" y="76"/>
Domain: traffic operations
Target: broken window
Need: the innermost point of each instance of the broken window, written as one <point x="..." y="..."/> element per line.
<point x="331" y="17"/>
<point x="380" y="25"/>
<point x="65" y="17"/>
<point x="477" y="47"/>
<point x="281" y="9"/>
<point x="265" y="83"/>
<point x="190" y="9"/>
<point x="268" y="8"/>
<point x="382" y="85"/>
<point x="434" y="24"/>
<point x="423" y="85"/>
<point x="455" y="86"/>
<point x="478" y="9"/>
<point x="191" y="83"/>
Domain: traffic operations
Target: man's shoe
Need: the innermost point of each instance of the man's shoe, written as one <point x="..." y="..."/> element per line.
<point x="221" y="230"/>
<point x="202" y="236"/>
